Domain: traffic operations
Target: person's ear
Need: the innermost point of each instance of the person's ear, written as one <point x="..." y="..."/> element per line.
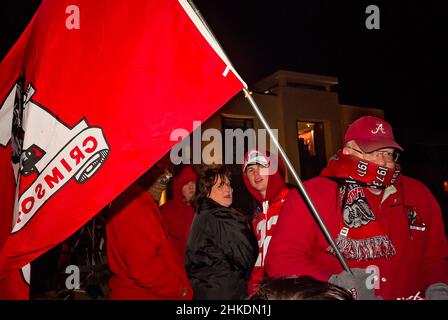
<point x="346" y="151"/>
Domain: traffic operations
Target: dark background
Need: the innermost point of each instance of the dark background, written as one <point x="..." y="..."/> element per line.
<point x="401" y="68"/>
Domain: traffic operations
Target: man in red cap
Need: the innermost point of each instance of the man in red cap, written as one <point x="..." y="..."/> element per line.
<point x="265" y="181"/>
<point x="387" y="226"/>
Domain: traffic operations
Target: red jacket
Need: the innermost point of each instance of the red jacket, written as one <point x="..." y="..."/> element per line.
<point x="265" y="218"/>
<point x="143" y="262"/>
<point x="298" y="247"/>
<point x="177" y="214"/>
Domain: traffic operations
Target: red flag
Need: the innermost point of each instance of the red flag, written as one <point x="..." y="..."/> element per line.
<point x="100" y="85"/>
<point x="13" y="286"/>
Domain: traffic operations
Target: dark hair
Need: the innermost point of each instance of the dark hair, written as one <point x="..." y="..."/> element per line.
<point x="299" y="288"/>
<point x="207" y="179"/>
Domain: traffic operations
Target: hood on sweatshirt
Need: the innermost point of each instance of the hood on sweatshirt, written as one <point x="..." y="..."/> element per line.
<point x="276" y="180"/>
<point x="186" y="175"/>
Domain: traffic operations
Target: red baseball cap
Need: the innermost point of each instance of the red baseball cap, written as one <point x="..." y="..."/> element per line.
<point x="371" y="133"/>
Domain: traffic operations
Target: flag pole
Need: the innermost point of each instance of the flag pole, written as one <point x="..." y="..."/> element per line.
<point x="301" y="188"/>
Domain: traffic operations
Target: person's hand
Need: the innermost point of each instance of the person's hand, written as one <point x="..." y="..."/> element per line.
<point x="184" y="291"/>
<point x="356" y="283"/>
<point x="437" y="291"/>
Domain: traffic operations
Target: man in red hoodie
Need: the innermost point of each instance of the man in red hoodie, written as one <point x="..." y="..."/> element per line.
<point x="178" y="213"/>
<point x="143" y="261"/>
<point x="388" y="226"/>
<point x="265" y="181"/>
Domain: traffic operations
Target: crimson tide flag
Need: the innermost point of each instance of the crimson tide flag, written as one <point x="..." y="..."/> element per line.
<point x="88" y="98"/>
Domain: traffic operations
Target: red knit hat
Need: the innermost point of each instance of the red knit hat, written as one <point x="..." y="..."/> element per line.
<point x="371" y="133"/>
<point x="186" y="175"/>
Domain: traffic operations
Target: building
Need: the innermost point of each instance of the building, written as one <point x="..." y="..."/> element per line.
<point x="306" y="111"/>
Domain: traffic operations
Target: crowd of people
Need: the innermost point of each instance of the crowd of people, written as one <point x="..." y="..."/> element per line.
<point x="387" y="227"/>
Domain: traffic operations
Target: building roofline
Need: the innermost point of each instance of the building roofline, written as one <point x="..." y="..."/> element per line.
<point x="285" y="76"/>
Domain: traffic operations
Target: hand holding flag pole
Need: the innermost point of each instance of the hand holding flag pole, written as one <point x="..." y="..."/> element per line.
<point x="301" y="188"/>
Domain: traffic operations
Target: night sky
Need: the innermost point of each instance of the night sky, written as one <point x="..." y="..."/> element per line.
<point x="401" y="68"/>
<point x="397" y="68"/>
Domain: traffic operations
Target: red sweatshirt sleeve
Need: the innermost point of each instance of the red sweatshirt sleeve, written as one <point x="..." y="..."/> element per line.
<point x="145" y="249"/>
<point x="435" y="264"/>
<point x="293" y="242"/>
<point x="256" y="277"/>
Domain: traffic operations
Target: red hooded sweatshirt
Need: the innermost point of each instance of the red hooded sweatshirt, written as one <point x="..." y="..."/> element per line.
<point x="299" y="247"/>
<point x="265" y="216"/>
<point x="143" y="262"/>
<point x="177" y="213"/>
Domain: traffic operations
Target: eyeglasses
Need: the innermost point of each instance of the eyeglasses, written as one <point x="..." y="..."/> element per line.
<point x="386" y="155"/>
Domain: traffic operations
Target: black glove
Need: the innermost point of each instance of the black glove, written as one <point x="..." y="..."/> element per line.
<point x="437" y="291"/>
<point x="356" y="283"/>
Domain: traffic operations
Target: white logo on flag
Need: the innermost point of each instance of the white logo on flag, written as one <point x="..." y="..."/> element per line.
<point x="53" y="151"/>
